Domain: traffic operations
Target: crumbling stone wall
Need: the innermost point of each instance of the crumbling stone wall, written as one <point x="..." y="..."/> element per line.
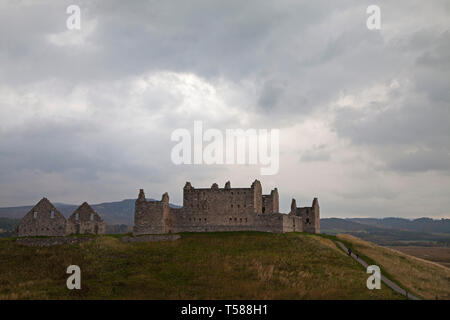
<point x="236" y="201"/>
<point x="84" y="220"/>
<point x="42" y="220"/>
<point x="148" y="215"/>
<point x="215" y="209"/>
<point x="53" y="241"/>
<point x="45" y="220"/>
<point x="310" y="216"/>
<point x="292" y="224"/>
<point x="270" y="202"/>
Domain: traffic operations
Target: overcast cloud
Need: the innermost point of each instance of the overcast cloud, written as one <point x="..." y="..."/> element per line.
<point x="364" y="116"/>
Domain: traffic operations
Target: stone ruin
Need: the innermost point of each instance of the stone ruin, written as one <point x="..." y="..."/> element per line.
<point x="42" y="220"/>
<point x="45" y="220"/>
<point x="204" y="210"/>
<point x="223" y="209"/>
<point x="85" y="220"/>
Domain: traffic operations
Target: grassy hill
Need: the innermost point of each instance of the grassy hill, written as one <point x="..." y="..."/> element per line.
<point x="420" y="225"/>
<point x="439" y="255"/>
<point x="423" y="278"/>
<point x="238" y="265"/>
<point x="392" y="231"/>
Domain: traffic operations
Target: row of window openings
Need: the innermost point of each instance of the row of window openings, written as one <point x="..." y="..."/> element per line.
<point x="240" y="219"/>
<point x="203" y="193"/>
<point x="199" y="219"/>
<point x="91" y="217"/>
<point x="52" y="215"/>
<point x="43" y="229"/>
<point x="198" y="206"/>
<point x="231" y="219"/>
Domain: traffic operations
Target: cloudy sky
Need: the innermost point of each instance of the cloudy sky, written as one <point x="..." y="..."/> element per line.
<point x="364" y="115"/>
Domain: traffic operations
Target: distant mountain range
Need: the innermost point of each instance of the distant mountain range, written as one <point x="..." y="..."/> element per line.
<point x="385" y="231"/>
<point x="392" y="231"/>
<point x="419" y="225"/>
<point x="119" y="212"/>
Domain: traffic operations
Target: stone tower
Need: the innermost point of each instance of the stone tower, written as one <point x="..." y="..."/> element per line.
<point x="315" y="216"/>
<point x="152" y="217"/>
<point x="310" y="216"/>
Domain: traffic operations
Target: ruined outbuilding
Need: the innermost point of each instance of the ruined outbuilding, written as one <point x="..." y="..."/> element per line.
<point x="223" y="209"/>
<point x="85" y="220"/>
<point x="42" y="220"/>
<point x="45" y="220"/>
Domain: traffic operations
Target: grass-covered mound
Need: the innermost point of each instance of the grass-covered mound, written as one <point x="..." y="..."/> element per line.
<point x="423" y="278"/>
<point x="234" y="265"/>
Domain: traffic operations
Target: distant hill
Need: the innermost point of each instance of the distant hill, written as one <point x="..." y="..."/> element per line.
<point x="340" y="225"/>
<point x="421" y="224"/>
<point x="392" y="231"/>
<point x="7" y="226"/>
<point x="384" y="231"/>
<point x="119" y="212"/>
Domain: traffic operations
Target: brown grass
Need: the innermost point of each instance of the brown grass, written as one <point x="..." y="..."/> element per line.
<point x="439" y="255"/>
<point x="240" y="265"/>
<point x="423" y="278"/>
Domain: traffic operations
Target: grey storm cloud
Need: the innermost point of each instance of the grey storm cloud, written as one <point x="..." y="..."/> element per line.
<point x="410" y="132"/>
<point x="96" y="107"/>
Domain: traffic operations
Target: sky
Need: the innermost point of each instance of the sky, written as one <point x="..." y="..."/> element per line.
<point x="363" y="115"/>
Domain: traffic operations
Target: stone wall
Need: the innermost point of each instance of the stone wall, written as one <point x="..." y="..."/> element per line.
<point x="234" y="201"/>
<point x="148" y="215"/>
<point x="84" y="220"/>
<point x="45" y="220"/>
<point x="270" y="202"/>
<point x="292" y="224"/>
<point x="53" y="241"/>
<point x="310" y="216"/>
<point x="152" y="238"/>
<point x="216" y="209"/>
<point x="42" y="220"/>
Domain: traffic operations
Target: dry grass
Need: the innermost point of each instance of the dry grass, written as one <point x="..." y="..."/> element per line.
<point x="240" y="265"/>
<point x="423" y="278"/>
<point x="439" y="255"/>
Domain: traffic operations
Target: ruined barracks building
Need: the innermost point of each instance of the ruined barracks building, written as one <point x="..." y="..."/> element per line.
<point x="223" y="209"/>
<point x="45" y="220"/>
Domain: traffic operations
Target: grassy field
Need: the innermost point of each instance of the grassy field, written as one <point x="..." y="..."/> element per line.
<point x="239" y="265"/>
<point x="439" y="255"/>
<point x="423" y="278"/>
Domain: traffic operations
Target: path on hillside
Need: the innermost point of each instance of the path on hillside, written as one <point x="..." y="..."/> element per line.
<point x="388" y="282"/>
